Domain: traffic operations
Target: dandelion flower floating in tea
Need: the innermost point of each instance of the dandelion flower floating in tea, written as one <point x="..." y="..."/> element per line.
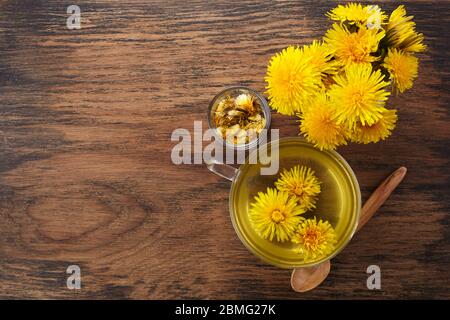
<point x="291" y="80"/>
<point x="378" y="131"/>
<point x="275" y="215"/>
<point x="315" y="239"/>
<point x="359" y="95"/>
<point x="301" y="183"/>
<point x="319" y="124"/>
<point x="403" y="69"/>
<point x="240" y="119"/>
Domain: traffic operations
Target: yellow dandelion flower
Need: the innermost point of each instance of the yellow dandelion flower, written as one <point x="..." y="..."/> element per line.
<point x="319" y="124"/>
<point x="315" y="239"/>
<point x="403" y="69"/>
<point x="320" y="55"/>
<point x="291" y="80"/>
<point x="355" y="13"/>
<point x="275" y="214"/>
<point x="359" y="95"/>
<point x="353" y="47"/>
<point x="301" y="183"/>
<point x="376" y="18"/>
<point x="380" y="130"/>
<point x="401" y="32"/>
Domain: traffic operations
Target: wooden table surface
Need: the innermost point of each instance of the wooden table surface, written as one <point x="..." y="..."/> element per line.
<point x="86" y="176"/>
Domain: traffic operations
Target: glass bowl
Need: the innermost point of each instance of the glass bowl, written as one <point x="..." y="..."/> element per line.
<point x="339" y="201"/>
<point x="234" y="92"/>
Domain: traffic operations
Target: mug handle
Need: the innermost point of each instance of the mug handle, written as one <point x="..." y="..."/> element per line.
<point x="222" y="169"/>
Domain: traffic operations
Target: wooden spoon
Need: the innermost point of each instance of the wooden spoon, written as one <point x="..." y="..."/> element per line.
<point x="305" y="279"/>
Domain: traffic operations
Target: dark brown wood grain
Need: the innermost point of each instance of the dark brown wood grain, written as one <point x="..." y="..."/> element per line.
<point x="86" y="176"/>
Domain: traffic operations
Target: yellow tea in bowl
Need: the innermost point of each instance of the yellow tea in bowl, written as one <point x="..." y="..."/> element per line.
<point x="339" y="201"/>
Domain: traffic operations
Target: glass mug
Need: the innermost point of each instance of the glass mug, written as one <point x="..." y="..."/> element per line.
<point x="234" y="92"/>
<point x="339" y="201"/>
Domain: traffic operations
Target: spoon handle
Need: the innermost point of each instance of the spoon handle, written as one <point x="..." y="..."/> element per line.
<point x="380" y="195"/>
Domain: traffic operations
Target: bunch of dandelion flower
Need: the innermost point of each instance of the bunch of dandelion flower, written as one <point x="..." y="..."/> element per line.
<point x="315" y="239"/>
<point x="275" y="214"/>
<point x="380" y="130"/>
<point x="401" y="32"/>
<point x="291" y="80"/>
<point x="318" y="123"/>
<point x="353" y="47"/>
<point x="355" y="13"/>
<point x="403" y="69"/>
<point x="301" y="183"/>
<point x="359" y="95"/>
